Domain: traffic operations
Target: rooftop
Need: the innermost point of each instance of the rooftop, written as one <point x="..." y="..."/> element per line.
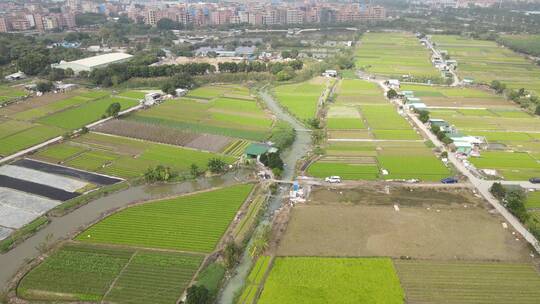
<point x="102" y="59"/>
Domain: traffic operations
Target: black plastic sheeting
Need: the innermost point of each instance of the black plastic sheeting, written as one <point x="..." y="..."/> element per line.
<point x="35" y="188"/>
<point x="59" y="170"/>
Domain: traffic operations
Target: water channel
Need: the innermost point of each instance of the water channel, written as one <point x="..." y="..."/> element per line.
<point x="64" y="227"/>
<point x="290" y="157"/>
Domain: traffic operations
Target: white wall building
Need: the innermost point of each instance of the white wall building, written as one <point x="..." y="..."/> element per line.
<point x="90" y="63"/>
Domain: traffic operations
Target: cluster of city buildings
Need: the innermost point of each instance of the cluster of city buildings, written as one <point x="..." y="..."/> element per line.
<point x="57" y="15"/>
<point x="257" y="13"/>
<point x="440" y="4"/>
<point x="43" y="16"/>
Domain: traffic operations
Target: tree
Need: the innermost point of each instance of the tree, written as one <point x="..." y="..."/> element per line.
<point x="498" y="86"/>
<point x="44" y="86"/>
<point x="113" y="109"/>
<point x="197" y="294"/>
<point x="166" y="24"/>
<point x="272" y="160"/>
<point x="515" y="202"/>
<point x="498" y="190"/>
<point x="158" y="174"/>
<point x="231" y="255"/>
<point x="216" y="165"/>
<point x="391" y="94"/>
<point x="315" y="123"/>
<point x="423" y="116"/>
<point x="194" y="170"/>
<point x="32" y="63"/>
<point x="537" y="110"/>
<point x="285" y="74"/>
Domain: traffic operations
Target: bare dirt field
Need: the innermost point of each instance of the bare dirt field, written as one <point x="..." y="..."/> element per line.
<point x="365" y="223"/>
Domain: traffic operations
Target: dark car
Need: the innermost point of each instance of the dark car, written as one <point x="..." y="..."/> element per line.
<point x="449" y="180"/>
<point x="535" y="180"/>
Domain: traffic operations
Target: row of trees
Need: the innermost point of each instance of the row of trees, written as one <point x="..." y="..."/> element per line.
<point x="257" y="66"/>
<point x="517" y="96"/>
<point x="118" y="73"/>
<point x="514" y="200"/>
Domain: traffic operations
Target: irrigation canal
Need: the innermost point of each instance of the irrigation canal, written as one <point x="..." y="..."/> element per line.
<point x="291" y="156"/>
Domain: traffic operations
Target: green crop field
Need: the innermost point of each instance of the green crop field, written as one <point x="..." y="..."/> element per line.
<point x="27" y="138"/>
<point x="344" y="170"/>
<point x="133" y="94"/>
<point x="485" y="61"/>
<point x="528" y="44"/>
<point x="254" y="280"/>
<point x="39" y="119"/>
<point x="191" y="223"/>
<point x="80" y="116"/>
<point x="354" y="92"/>
<point x="80" y="272"/>
<point x="511" y="165"/>
<point x="439" y="96"/>
<point x="240" y="117"/>
<point x="533" y="200"/>
<point x="75" y="273"/>
<point x="157" y="277"/>
<point x="301" y="99"/>
<point x="395" y="55"/>
<point x="8" y="93"/>
<point x="468" y="282"/>
<point x="124" y="157"/>
<point x="331" y="280"/>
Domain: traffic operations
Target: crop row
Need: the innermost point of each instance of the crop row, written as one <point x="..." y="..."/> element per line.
<point x="194" y="222"/>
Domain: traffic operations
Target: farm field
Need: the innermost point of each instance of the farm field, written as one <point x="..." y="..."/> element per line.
<point x="221" y="113"/>
<point x="79" y="272"/>
<point x="394" y="55"/>
<point x="528" y="44"/>
<point x="38" y="119"/>
<point x="326" y="280"/>
<point x="533" y="200"/>
<point x="502" y="124"/>
<point x="366" y="160"/>
<point x="302" y="99"/>
<point x="485" y="61"/>
<point x="9" y="93"/>
<point x="361" y="112"/>
<point x="463" y="282"/>
<point x="123" y="157"/>
<point x="255" y="280"/>
<point x="424" y="217"/>
<point x="189" y="223"/>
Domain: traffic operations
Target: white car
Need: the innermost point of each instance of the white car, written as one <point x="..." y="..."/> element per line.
<point x="333" y="179"/>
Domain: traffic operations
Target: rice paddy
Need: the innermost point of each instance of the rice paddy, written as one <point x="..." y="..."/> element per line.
<point x="485" y="61"/>
<point x="301" y="99"/>
<point x="124" y="157"/>
<point x="192" y="223"/>
<point x="38" y="119"/>
<point x="395" y="55"/>
<point x="79" y="272"/>
<point x="325" y="280"/>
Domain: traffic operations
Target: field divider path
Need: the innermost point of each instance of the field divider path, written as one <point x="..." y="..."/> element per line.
<point x="118" y="276"/>
<point x="482" y="186"/>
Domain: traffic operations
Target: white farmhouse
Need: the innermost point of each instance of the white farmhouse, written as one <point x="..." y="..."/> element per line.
<point x="91" y="63"/>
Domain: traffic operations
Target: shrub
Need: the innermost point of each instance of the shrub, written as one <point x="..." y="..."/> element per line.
<point x="497" y="190"/>
<point x="216" y="165"/>
<point x="158" y="174"/>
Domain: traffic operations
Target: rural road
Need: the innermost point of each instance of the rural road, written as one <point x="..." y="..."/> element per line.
<point x="436" y="52"/>
<point x="482" y="186"/>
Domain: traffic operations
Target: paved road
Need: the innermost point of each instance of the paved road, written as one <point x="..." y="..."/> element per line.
<point x="455" y="77"/>
<point x="481" y="185"/>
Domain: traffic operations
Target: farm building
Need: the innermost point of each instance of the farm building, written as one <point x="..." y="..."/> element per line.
<point x="417" y="106"/>
<point x="256" y="150"/>
<point x="462" y="147"/>
<point x="16" y="76"/>
<point x="412" y="100"/>
<point x="393" y="83"/>
<point x="91" y="63"/>
<point x="330" y="73"/>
